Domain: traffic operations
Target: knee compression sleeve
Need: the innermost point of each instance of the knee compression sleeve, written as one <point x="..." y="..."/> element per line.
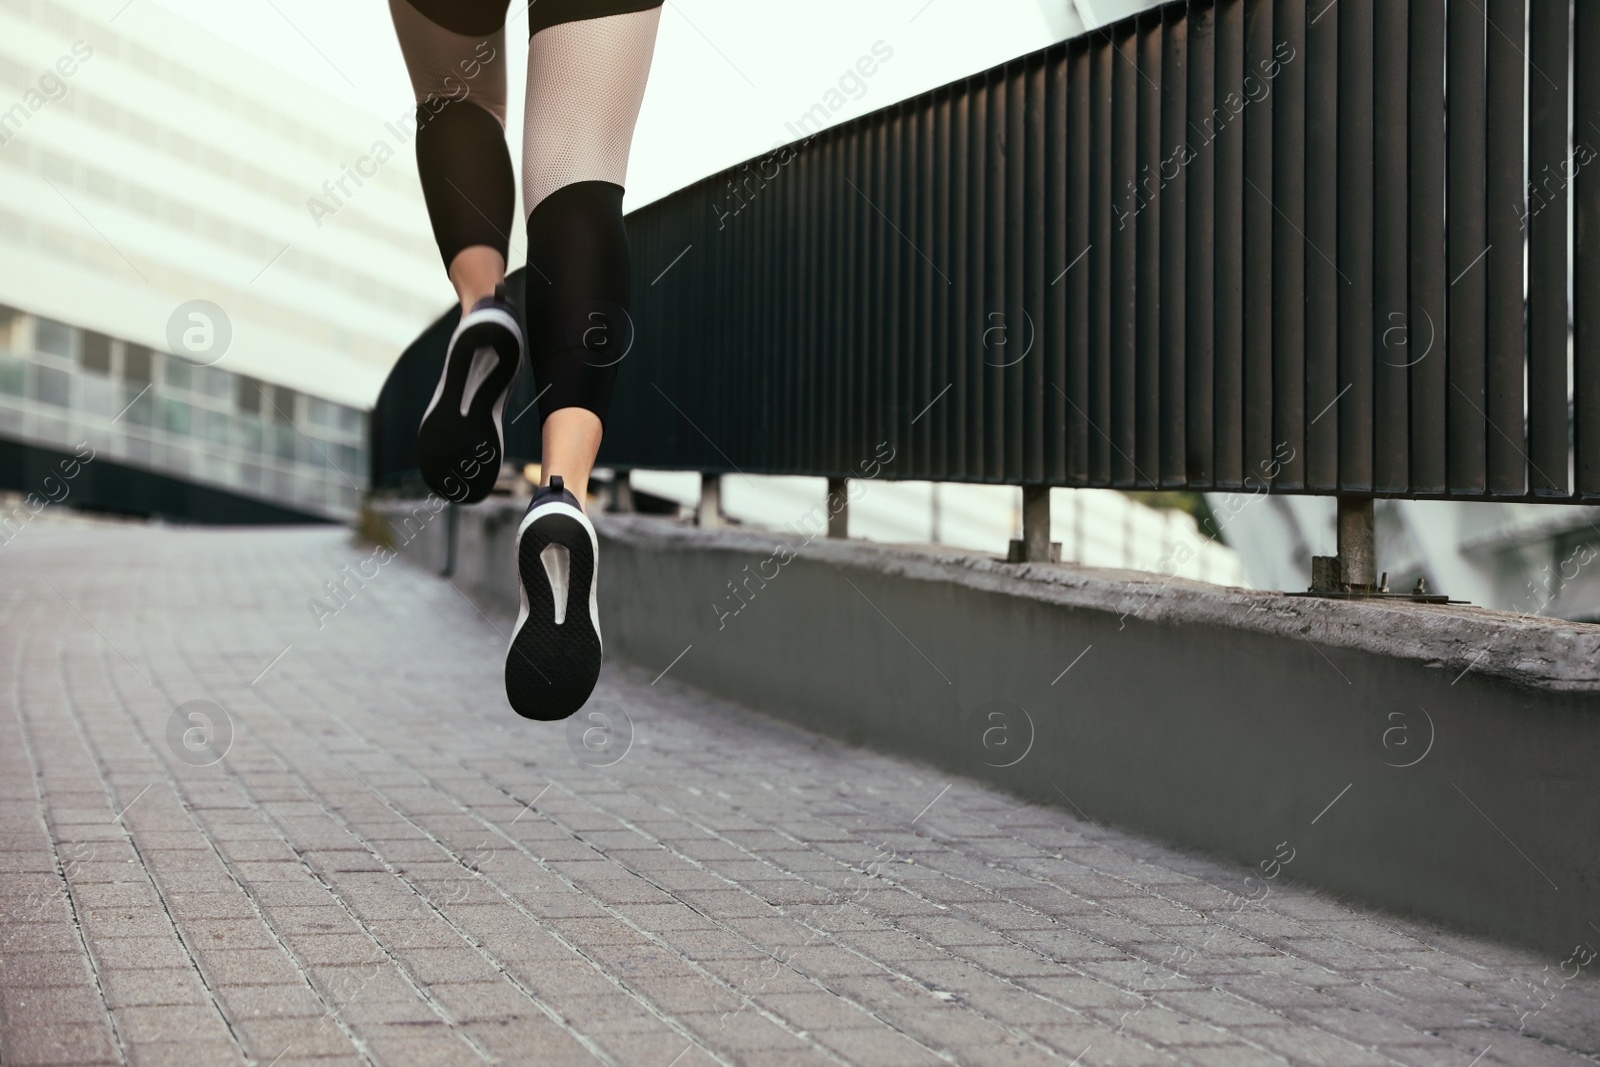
<point x="466" y="177"/>
<point x="577" y="296"/>
<point x="586" y="78"/>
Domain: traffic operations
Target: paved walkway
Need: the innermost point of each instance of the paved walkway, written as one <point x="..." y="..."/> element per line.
<point x="387" y="866"/>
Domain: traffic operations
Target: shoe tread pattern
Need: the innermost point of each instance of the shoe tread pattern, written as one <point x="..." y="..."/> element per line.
<point x="551" y="669"/>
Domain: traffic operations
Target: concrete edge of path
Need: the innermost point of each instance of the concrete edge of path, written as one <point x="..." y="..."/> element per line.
<point x="1527" y="650"/>
<point x="1435" y="761"/>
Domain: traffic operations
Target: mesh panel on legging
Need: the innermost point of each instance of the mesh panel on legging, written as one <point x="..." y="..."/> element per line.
<point x="459" y="80"/>
<point x="586" y="80"/>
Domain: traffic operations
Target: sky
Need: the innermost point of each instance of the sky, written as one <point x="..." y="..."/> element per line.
<point x="728" y="75"/>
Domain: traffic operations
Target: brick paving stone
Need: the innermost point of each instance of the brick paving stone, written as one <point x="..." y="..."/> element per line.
<point x="390" y="867"/>
<point x="538" y="1040"/>
<point x="49" y="1042"/>
<point x="161" y="987"/>
<point x="297" y="1001"/>
<point x="66" y="1004"/>
<point x="877" y="1046"/>
<point x="264" y="1039"/>
<point x="194" y="1049"/>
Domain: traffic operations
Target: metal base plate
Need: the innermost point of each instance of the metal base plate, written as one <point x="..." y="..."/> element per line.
<point x="1415" y="598"/>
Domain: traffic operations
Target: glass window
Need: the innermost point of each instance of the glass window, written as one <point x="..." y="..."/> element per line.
<point x="283" y="442"/>
<point x="216" y="427"/>
<point x="136" y="363"/>
<point x="140" y="404"/>
<point x="96" y="355"/>
<point x="247" y="394"/>
<point x="319" y="412"/>
<point x="283" y="403"/>
<point x="51" y="385"/>
<point x="217" y="383"/>
<point x="247" y="434"/>
<point x="176" y="415"/>
<point x="349" y="419"/>
<point x="13" y="375"/>
<point x="99" y="396"/>
<point x="179" y="374"/>
<point x="54" y="337"/>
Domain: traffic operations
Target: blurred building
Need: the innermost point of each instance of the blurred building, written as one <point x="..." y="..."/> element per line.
<point x="154" y="434"/>
<point x="145" y="165"/>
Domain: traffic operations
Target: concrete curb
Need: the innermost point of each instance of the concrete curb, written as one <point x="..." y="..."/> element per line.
<point x="1378" y="745"/>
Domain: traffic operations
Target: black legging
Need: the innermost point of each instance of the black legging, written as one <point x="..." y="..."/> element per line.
<point x="587" y="65"/>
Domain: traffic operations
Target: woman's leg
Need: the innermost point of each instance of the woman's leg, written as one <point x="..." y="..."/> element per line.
<point x="455" y="54"/>
<point x="588" y="61"/>
<point x="587" y="65"/>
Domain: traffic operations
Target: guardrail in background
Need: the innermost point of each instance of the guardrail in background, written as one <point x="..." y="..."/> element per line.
<point x="1216" y="245"/>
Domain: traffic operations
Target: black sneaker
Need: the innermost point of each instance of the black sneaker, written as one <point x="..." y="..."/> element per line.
<point x="554" y="659"/>
<point x="460" y="442"/>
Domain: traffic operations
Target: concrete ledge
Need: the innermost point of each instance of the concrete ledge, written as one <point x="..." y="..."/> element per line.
<point x="1437" y="761"/>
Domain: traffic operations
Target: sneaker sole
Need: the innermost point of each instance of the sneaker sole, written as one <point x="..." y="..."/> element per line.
<point x="461" y="441"/>
<point x="552" y="667"/>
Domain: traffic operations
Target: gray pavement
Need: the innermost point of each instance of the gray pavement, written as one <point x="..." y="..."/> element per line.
<point x="240" y="827"/>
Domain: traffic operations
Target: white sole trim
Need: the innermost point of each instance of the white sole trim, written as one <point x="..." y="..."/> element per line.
<point x="557" y="507"/>
<point x="467" y="322"/>
<point x="557" y="560"/>
<point x="485" y="361"/>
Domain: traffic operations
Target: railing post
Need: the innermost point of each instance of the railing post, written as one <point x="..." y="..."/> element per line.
<point x="452" y="531"/>
<point x="1035" y="546"/>
<point x="838" y="509"/>
<point x="621" y="497"/>
<point x="1358" y="556"/>
<point x="709" y="513"/>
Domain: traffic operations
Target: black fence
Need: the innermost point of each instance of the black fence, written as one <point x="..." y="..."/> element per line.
<point x="1339" y="247"/>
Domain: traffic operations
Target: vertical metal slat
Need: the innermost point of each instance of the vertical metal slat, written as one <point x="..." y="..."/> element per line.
<point x="1354" y="410"/>
<point x="1258" y="197"/>
<point x="1100" y="227"/>
<point x="1077" y="264"/>
<point x="1468" y="244"/>
<point x="1124" y="250"/>
<point x="1146" y="456"/>
<point x="1391" y="314"/>
<point x="1586" y="270"/>
<point x="1505" y="340"/>
<point x="1425" y="344"/>
<point x="1228" y="261"/>
<point x="1199" y="447"/>
<point x="1174" y="224"/>
<point x="1323" y="281"/>
<point x="1288" y="71"/>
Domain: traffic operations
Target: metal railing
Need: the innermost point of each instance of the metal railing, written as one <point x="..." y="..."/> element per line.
<point x="1232" y="244"/>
